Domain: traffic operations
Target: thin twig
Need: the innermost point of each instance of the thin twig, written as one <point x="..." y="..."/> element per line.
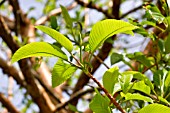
<point x="72" y="98"/>
<point x="54" y="12"/>
<point x="131" y="11"/>
<point x="93" y="6"/>
<point x="146" y="69"/>
<point x="112" y="99"/>
<point x="101" y="61"/>
<point x="11" y="108"/>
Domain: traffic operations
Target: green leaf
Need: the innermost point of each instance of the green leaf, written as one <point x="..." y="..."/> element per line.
<point x="100" y="104"/>
<point x="140" y="76"/>
<point x="125" y="81"/>
<point x="37" y="49"/>
<point x="61" y="72"/>
<point x="115" y="57"/>
<point x="66" y="17"/>
<point x="141" y="86"/>
<point x="110" y="78"/>
<point x="140" y="57"/>
<point x="65" y="42"/>
<point x="105" y="29"/>
<point x="154" y="13"/>
<point x="137" y="96"/>
<point x="167" y="80"/>
<point x="164" y="101"/>
<point x="53" y="22"/>
<point x="155" y="108"/>
<point x="167" y="42"/>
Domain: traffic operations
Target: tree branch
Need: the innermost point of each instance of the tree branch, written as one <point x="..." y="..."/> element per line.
<point x="54" y="12"/>
<point x="38" y="96"/>
<point x="73" y="97"/>
<point x="131" y="11"/>
<point x="93" y="6"/>
<point x="112" y="99"/>
<point x="8" y="104"/>
<point x="13" y="72"/>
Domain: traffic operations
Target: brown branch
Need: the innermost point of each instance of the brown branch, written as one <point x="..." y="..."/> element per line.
<point x="93" y="6"/>
<point x="115" y="8"/>
<point x="112" y="99"/>
<point x="17" y="13"/>
<point x="131" y="11"/>
<point x="13" y="72"/>
<point x="103" y="54"/>
<point x="101" y="61"/>
<point x="8" y="104"/>
<point x="54" y="12"/>
<point x="73" y="97"/>
<point x="38" y="96"/>
<point x="48" y="89"/>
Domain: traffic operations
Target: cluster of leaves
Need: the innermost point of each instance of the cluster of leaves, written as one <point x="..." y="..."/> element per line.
<point x="132" y="87"/>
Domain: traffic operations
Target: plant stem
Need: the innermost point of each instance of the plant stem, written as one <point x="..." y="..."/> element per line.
<point x="101" y="61"/>
<point x="112" y="99"/>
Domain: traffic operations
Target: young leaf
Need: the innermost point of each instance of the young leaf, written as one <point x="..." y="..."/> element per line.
<point x="115" y="57"/>
<point x="155" y="108"/>
<point x="53" y="22"/>
<point x="37" y="49"/>
<point x="137" y="96"/>
<point x="65" y="42"/>
<point x="61" y="72"/>
<point x="66" y="17"/>
<point x="107" y="28"/>
<point x="141" y="86"/>
<point x="125" y="81"/>
<point x="140" y="76"/>
<point x="110" y="78"/>
<point x="100" y="104"/>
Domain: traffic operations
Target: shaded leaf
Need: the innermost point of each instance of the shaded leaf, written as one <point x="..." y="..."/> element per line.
<point x="65" y="42"/>
<point x="115" y="57"/>
<point x="110" y="78"/>
<point x="100" y="104"/>
<point x="37" y="49"/>
<point x="53" y="22"/>
<point x="107" y="28"/>
<point x="66" y="16"/>
<point x="61" y="72"/>
<point x="155" y="108"/>
<point x="140" y="57"/>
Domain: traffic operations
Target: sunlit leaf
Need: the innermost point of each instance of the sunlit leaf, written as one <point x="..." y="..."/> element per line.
<point x="37" y="49"/>
<point x="61" y="72"/>
<point x="137" y="96"/>
<point x="107" y="28"/>
<point x="65" y="42"/>
<point x="110" y="78"/>
<point x="125" y="81"/>
<point x="141" y="86"/>
<point x="155" y="108"/>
